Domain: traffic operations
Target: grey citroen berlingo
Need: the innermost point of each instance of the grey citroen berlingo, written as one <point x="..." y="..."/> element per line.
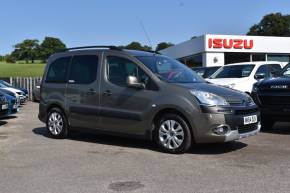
<point x="142" y="94"/>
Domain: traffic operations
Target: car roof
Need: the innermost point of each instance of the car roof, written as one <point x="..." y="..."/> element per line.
<point x="140" y="53"/>
<point x="255" y="63"/>
<point x="134" y="53"/>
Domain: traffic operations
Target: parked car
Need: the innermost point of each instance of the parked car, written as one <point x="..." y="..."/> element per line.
<point x="273" y="97"/>
<point x="12" y="94"/>
<point x="147" y="95"/>
<point x="17" y="92"/>
<point x="4" y="108"/>
<point x="205" y="72"/>
<point x="36" y="93"/>
<point x="13" y="105"/>
<point x="242" y="76"/>
<point x="9" y="85"/>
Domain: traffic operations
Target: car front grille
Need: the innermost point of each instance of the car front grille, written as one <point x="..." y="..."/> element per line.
<point x="3" y="100"/>
<point x="247" y="128"/>
<point x="274" y="100"/>
<point x="246" y="111"/>
<point x="241" y="102"/>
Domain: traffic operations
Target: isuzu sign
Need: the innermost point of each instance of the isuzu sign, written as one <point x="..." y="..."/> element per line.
<point x="230" y="43"/>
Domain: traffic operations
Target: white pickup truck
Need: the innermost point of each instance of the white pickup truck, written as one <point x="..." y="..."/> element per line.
<point x="242" y="76"/>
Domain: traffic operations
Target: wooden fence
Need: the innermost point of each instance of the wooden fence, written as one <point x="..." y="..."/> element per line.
<point x="27" y="82"/>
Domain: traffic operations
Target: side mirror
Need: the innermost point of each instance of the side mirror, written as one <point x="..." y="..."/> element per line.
<point x="133" y="82"/>
<point x="260" y="76"/>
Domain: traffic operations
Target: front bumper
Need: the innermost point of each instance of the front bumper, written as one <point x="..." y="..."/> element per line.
<point x="230" y="117"/>
<point x="235" y="135"/>
<point x="22" y="99"/>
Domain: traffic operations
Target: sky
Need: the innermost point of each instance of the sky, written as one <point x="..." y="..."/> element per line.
<point x="113" y="22"/>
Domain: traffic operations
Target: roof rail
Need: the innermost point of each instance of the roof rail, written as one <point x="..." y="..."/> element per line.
<point x="90" y="47"/>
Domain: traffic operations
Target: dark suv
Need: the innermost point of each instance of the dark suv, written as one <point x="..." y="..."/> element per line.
<point x="273" y="97"/>
<point x="142" y="94"/>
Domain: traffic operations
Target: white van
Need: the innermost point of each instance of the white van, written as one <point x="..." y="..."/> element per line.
<point x="242" y="76"/>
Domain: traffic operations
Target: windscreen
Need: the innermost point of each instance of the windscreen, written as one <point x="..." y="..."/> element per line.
<point x="170" y="70"/>
<point x="286" y="70"/>
<point x="234" y="71"/>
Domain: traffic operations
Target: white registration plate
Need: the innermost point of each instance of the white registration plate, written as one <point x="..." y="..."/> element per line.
<point x="250" y="119"/>
<point x="4" y="107"/>
<point x="14" y="106"/>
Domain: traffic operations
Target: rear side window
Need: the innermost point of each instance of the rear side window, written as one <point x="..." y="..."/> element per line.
<point x="57" y="70"/>
<point x="83" y="69"/>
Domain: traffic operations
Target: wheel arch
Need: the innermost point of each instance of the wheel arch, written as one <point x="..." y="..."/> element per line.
<point x="172" y="110"/>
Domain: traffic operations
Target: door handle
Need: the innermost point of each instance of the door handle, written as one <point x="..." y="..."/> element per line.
<point x="107" y="93"/>
<point x="91" y="92"/>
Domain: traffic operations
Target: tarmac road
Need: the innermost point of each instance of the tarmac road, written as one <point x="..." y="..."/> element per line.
<point x="32" y="162"/>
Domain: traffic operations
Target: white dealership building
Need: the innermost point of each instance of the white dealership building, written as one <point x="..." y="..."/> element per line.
<point x="218" y="50"/>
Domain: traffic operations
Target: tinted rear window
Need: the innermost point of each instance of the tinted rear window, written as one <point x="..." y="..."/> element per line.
<point x="57" y="70"/>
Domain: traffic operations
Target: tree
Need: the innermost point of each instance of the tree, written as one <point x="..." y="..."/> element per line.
<point x="26" y="50"/>
<point x="137" y="46"/>
<point x="163" y="45"/>
<point x="49" y="46"/>
<point x="274" y="24"/>
<point x="9" y="58"/>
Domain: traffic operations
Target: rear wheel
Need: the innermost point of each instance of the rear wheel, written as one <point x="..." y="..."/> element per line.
<point x="266" y="122"/>
<point x="172" y="134"/>
<point x="33" y="98"/>
<point x="56" y="124"/>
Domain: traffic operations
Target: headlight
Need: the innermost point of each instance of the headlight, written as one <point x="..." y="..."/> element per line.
<point x="250" y="101"/>
<point x="207" y="98"/>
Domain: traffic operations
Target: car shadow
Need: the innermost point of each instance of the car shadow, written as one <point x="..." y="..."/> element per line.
<point x="219" y="148"/>
<point x="281" y="128"/>
<point x="3" y="122"/>
<point x="8" y="117"/>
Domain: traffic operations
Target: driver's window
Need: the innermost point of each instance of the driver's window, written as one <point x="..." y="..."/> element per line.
<point x="118" y="69"/>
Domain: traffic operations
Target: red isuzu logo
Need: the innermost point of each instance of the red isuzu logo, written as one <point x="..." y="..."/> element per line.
<point x="230" y="43"/>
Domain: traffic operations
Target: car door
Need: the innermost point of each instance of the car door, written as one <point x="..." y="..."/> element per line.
<point x="124" y="109"/>
<point x="82" y="90"/>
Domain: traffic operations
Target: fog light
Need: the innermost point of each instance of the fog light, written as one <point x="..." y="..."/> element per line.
<point x="221" y="130"/>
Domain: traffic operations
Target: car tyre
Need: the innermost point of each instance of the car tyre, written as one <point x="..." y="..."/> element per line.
<point x="34" y="98"/>
<point x="172" y="134"/>
<point x="266" y="123"/>
<point x="56" y="124"/>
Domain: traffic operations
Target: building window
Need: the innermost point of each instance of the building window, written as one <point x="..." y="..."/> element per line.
<point x="278" y="57"/>
<point x="192" y="61"/>
<point x="237" y="57"/>
<point x="258" y="57"/>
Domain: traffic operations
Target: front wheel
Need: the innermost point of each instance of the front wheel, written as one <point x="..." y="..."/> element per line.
<point x="56" y="124"/>
<point x="173" y="134"/>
